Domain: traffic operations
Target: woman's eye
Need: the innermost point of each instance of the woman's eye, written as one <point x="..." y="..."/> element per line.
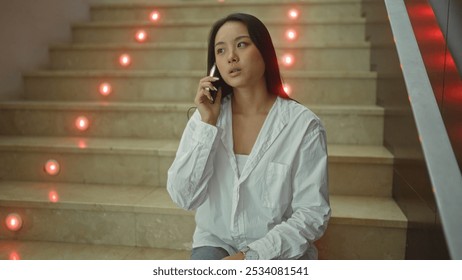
<point x="220" y="51"/>
<point x="241" y="44"/>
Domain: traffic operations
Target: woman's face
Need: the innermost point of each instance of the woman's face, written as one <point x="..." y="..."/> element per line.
<point x="238" y="59"/>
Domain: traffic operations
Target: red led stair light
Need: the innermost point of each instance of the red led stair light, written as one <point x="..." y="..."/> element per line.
<point x="288" y="60"/>
<point x="105" y="89"/>
<point x="293" y="13"/>
<point x="141" y="36"/>
<point x="82" y="123"/>
<point x="154" y="16"/>
<point x="125" y="60"/>
<point x="13" y="222"/>
<point x="52" y="167"/>
<point x="291" y="35"/>
<point x="53" y="196"/>
<point x="14" y="256"/>
<point x="82" y="144"/>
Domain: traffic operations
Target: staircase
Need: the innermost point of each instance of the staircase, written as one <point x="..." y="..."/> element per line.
<point x="109" y="199"/>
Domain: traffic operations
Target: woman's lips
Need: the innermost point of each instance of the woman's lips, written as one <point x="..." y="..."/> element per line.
<point x="234" y="72"/>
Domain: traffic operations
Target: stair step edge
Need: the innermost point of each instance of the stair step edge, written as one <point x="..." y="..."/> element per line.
<point x="193" y="74"/>
<point x="198" y="45"/>
<point x="181" y="4"/>
<point x="168" y="106"/>
<point x="167" y="147"/>
<point x="351" y="210"/>
<point x="208" y="23"/>
<point x="46" y="250"/>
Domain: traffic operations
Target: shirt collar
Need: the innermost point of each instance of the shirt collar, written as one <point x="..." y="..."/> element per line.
<point x="275" y="122"/>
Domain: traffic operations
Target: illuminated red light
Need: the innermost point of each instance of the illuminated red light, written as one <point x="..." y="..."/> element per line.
<point x="141" y="36"/>
<point x="82" y="144"/>
<point x="14" y="256"/>
<point x="422" y="11"/>
<point x="13" y="222"/>
<point x="435" y="33"/>
<point x="53" y="196"/>
<point x="105" y="89"/>
<point x="287" y="89"/>
<point x="154" y="16"/>
<point x="437" y="61"/>
<point x="288" y="60"/>
<point x="52" y="167"/>
<point x="291" y="34"/>
<point x="293" y="13"/>
<point x="450" y="64"/>
<point x="125" y="60"/>
<point x="82" y="123"/>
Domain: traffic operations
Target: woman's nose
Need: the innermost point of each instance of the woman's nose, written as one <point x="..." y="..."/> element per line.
<point x="232" y="57"/>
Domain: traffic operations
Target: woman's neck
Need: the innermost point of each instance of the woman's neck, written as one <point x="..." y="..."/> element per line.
<point x="252" y="101"/>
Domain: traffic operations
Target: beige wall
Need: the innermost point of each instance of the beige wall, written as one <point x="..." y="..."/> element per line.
<point x="27" y="28"/>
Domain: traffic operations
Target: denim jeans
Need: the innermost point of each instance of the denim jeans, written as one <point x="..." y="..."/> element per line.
<point x="208" y="253"/>
<point x="217" y="253"/>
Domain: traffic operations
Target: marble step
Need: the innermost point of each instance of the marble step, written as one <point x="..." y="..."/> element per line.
<point x="42" y="250"/>
<point x="92" y="214"/>
<point x="344" y="124"/>
<point x="353" y="170"/>
<point x="191" y="56"/>
<point x="212" y="10"/>
<point x="310" y="87"/>
<point x="146" y="217"/>
<point x="344" y="30"/>
<point x="364" y="228"/>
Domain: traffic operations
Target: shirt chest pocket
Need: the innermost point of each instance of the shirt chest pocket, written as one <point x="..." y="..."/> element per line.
<point x="276" y="192"/>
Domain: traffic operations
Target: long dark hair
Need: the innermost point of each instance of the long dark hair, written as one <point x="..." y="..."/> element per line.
<point x="261" y="38"/>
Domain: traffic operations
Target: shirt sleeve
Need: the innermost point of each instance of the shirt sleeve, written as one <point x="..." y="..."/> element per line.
<point x="193" y="165"/>
<point x="310" y="202"/>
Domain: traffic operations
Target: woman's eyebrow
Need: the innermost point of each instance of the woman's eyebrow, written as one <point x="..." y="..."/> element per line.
<point x="236" y="39"/>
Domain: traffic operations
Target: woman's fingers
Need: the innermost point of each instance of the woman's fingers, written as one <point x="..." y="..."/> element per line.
<point x="208" y="86"/>
<point x="205" y="86"/>
<point x="209" y="97"/>
<point x="206" y="83"/>
<point x="204" y="94"/>
<point x="208" y="109"/>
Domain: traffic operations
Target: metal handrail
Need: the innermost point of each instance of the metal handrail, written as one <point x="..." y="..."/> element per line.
<point x="441" y="162"/>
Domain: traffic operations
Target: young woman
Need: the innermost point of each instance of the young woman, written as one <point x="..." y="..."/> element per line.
<point x="252" y="162"/>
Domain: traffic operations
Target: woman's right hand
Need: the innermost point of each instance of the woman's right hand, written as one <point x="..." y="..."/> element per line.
<point x="208" y="109"/>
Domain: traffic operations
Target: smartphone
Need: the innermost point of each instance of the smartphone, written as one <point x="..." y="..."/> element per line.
<point x="212" y="73"/>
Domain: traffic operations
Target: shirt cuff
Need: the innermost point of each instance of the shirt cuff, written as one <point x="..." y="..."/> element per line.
<point x="265" y="251"/>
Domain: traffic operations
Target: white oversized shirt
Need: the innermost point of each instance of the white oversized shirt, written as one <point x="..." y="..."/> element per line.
<point x="278" y="205"/>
